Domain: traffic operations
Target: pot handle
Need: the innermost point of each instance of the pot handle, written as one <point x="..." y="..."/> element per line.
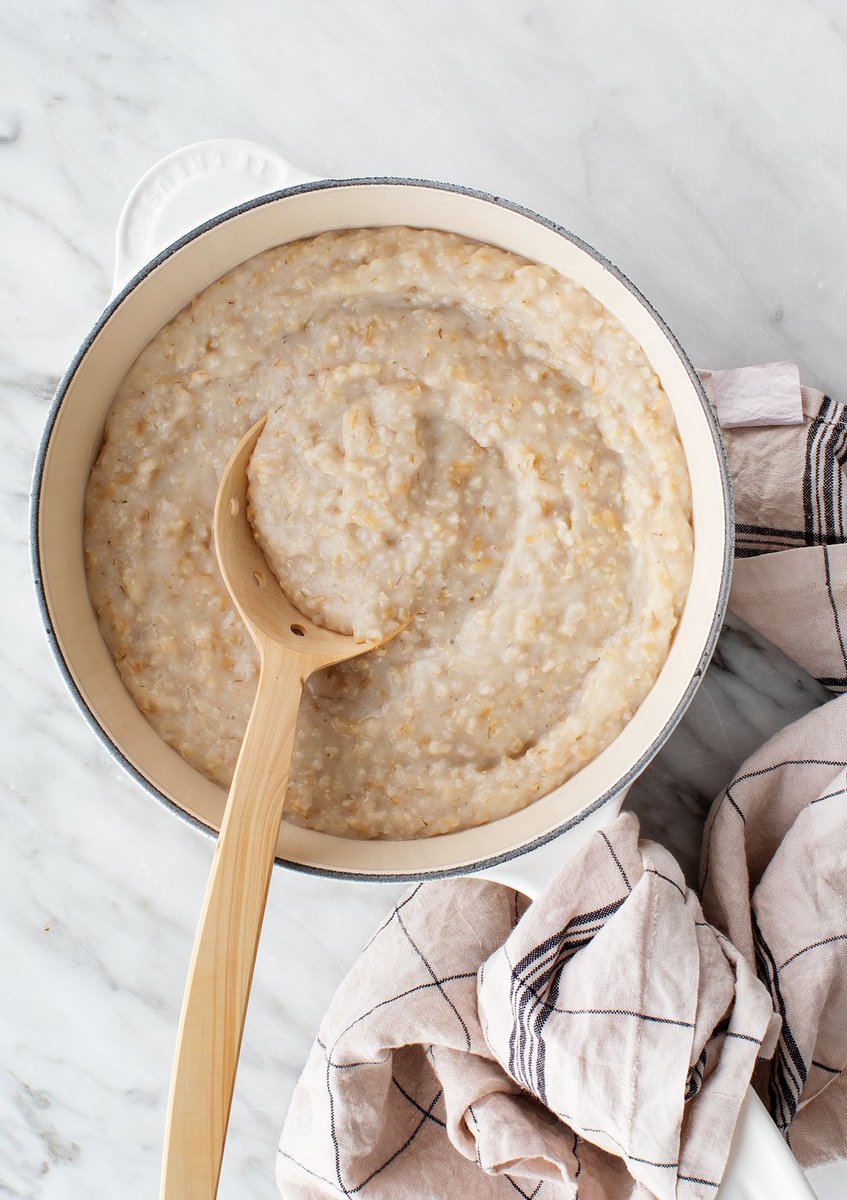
<point x="532" y="871"/>
<point x="186" y="188"/>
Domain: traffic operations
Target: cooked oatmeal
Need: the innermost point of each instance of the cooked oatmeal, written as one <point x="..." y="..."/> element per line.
<point x="459" y="441"/>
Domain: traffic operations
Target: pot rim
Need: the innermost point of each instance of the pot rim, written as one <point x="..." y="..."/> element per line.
<point x="114" y="303"/>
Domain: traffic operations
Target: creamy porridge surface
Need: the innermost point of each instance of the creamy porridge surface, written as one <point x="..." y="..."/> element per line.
<point x="460" y="442"/>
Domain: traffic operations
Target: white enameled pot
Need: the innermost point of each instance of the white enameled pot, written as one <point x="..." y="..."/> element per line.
<point x="153" y="284"/>
<point x="194" y="216"/>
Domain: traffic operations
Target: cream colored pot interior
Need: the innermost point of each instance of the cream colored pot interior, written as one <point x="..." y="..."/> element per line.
<point x="76" y="438"/>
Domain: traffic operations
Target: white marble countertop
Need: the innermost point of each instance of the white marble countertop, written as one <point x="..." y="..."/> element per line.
<point x="702" y="148"/>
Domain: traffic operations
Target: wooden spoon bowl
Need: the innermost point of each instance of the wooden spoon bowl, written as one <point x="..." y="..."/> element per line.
<point x="267" y="612"/>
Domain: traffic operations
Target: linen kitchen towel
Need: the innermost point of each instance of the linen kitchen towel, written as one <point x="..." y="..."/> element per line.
<point x="598" y="1044"/>
<point x="790" y="575"/>
<point x="602" y="1037"/>
<point x="779" y="831"/>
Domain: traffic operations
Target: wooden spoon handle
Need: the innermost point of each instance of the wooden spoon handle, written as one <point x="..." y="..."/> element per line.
<point x="221" y="970"/>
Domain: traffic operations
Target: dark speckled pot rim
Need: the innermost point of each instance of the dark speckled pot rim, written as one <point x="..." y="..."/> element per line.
<point x="726" y="572"/>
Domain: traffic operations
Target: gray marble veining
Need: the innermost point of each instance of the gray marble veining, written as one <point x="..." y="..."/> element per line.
<point x="701" y="148"/>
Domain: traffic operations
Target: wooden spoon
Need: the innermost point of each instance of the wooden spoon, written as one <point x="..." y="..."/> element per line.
<point x="290" y="648"/>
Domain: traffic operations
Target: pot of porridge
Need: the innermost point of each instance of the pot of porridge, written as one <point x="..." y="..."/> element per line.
<point x="479" y="433"/>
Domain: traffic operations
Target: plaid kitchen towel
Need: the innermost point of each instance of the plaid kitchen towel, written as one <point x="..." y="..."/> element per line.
<point x="598" y="1044"/>
<point x="790" y="577"/>
<point x="779" y="831"/>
